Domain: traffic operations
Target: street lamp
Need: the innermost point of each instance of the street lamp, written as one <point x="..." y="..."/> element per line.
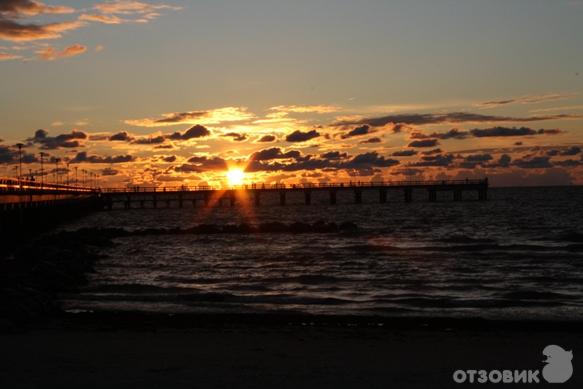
<point x="19" y="145"/>
<point x="76" y="175"/>
<point x="42" y="171"/>
<point x="57" y="160"/>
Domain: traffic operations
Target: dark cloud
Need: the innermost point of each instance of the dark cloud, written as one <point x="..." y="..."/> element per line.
<point x="533" y="163"/>
<point x="83" y="157"/>
<point x="424" y="143"/>
<point x="504" y="160"/>
<point x="573" y="150"/>
<point x="267" y="138"/>
<point x="486" y="160"/>
<point x="204" y="163"/>
<point x="511" y="131"/>
<point x="439" y="160"/>
<point x="569" y="163"/>
<point x="358" y="131"/>
<point x="399" y="127"/>
<point x="109" y="172"/>
<point x="452" y="117"/>
<point x="432" y="152"/>
<point x="17" y="8"/>
<point x="193" y="132"/>
<point x="372" y="140"/>
<point x="12" y="30"/>
<point x="486" y="132"/>
<point x="122" y="136"/>
<point x="299" y="136"/>
<point x="478" y="157"/>
<point x="180" y="117"/>
<point x="274" y="153"/>
<point x="404" y="153"/>
<point x="371" y="159"/>
<point x="473" y="160"/>
<point x="10" y="154"/>
<point x="152" y="140"/>
<point x="334" y="155"/>
<point x="454" y="133"/>
<point x="71" y="140"/>
<point x="235" y="136"/>
<point x="187" y="168"/>
<point x="169" y="158"/>
<point x="361" y="164"/>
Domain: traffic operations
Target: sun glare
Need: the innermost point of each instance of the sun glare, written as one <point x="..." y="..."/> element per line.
<point x="235" y="177"/>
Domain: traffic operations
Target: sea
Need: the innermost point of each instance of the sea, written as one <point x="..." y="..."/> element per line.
<point x="518" y="255"/>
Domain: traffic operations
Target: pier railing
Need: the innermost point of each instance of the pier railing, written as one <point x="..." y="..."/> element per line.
<point x="322" y="185"/>
<point x="10" y="185"/>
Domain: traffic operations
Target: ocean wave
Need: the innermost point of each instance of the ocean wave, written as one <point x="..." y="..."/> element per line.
<point x="479" y="247"/>
<point x="186" y="296"/>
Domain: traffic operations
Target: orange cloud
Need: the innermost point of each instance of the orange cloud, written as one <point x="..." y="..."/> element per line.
<point x="50" y="54"/>
<point x="141" y="12"/>
<point x="16" y="8"/>
<point x="14" y="31"/>
<point x="306" y="108"/>
<point x="105" y="19"/>
<point x="215" y="116"/>
<point x="131" y="7"/>
<point x="8" y="56"/>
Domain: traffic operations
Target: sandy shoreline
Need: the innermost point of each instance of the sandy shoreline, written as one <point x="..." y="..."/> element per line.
<point x="250" y="351"/>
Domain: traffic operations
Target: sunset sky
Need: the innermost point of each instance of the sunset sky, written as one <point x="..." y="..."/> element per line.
<point x="177" y="92"/>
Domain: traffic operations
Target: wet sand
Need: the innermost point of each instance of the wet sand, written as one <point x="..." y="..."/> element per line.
<point x="276" y="352"/>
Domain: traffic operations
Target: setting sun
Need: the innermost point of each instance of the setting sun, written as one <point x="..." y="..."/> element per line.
<point x="235" y="177"/>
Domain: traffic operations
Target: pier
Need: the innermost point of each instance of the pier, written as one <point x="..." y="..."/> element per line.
<point x="28" y="206"/>
<point x="255" y="194"/>
<point x="16" y="201"/>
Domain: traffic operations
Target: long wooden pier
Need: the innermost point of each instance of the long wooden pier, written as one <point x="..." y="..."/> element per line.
<point x="28" y="206"/>
<point x="182" y="196"/>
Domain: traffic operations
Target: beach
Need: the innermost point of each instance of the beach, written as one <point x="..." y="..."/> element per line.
<point x="227" y="352"/>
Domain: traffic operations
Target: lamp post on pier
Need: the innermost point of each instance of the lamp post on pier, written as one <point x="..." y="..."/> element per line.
<point x="42" y="171"/>
<point x="57" y="160"/>
<point x="19" y="145"/>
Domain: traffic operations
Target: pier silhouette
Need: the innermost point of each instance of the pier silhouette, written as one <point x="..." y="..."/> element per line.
<point x="27" y="206"/>
<point x="193" y="196"/>
<point x="23" y="194"/>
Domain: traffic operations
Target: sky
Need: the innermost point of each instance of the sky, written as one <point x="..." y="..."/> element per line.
<point x="179" y="92"/>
